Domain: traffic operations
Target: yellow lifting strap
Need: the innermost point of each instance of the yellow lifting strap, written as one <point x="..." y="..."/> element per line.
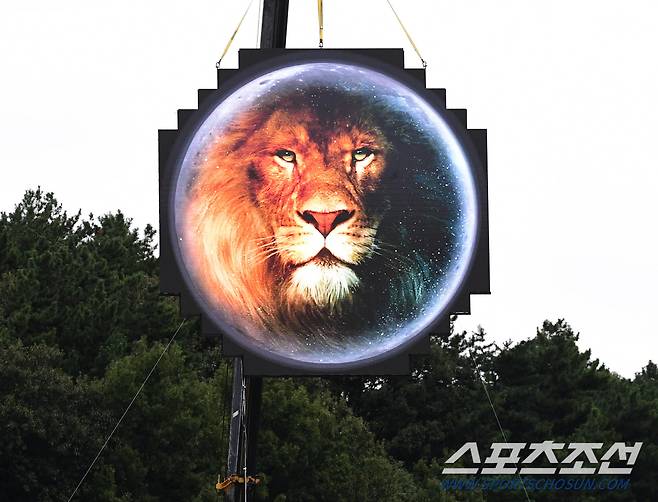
<point x="321" y="23"/>
<point x="230" y="40"/>
<point x="411" y="40"/>
<point x="235" y="479"/>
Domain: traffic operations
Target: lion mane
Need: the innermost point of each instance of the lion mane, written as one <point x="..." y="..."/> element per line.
<point x="225" y="223"/>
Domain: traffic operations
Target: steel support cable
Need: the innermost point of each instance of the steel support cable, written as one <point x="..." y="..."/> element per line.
<point x="126" y="410"/>
<point x="500" y="427"/>
<point x="259" y="24"/>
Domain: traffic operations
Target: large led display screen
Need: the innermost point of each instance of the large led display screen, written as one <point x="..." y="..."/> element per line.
<point x="323" y="212"/>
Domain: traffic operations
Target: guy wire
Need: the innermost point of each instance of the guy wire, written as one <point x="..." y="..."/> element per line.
<point x="126" y="410"/>
<point x="259" y="23"/>
<point x="500" y="427"/>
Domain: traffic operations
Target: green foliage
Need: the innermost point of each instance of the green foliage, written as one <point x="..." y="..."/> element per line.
<point x="542" y="388"/>
<point x="556" y="383"/>
<point x="168" y="448"/>
<point x="82" y="323"/>
<point x="88" y="287"/>
<point x="313" y="448"/>
<point x="45" y="440"/>
<point x="435" y="408"/>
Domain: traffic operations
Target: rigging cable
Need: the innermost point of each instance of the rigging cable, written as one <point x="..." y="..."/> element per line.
<point x="230" y="40"/>
<point x="500" y="427"/>
<point x="407" y="34"/>
<point x="126" y="410"/>
<point x="321" y="23"/>
<point x="259" y="23"/>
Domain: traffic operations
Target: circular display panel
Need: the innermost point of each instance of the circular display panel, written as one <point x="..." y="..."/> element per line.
<point x="324" y="212"/>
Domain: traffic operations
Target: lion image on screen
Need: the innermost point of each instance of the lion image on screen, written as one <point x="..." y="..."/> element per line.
<point x="319" y="215"/>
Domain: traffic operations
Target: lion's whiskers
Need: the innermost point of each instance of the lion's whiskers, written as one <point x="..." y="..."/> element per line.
<point x="266" y="249"/>
<point x="263" y="256"/>
<point x="269" y="238"/>
<point x="389" y="251"/>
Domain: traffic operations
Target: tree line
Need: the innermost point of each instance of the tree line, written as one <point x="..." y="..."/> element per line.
<point x="81" y="323"/>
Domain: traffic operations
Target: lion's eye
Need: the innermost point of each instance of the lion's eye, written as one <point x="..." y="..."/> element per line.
<point x="361" y="157"/>
<point x="285" y="155"/>
<point x="361" y="154"/>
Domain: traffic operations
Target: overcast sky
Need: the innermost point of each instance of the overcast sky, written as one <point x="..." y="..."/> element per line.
<point x="567" y="91"/>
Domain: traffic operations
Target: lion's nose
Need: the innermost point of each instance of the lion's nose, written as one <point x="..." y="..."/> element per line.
<point x="326" y="222"/>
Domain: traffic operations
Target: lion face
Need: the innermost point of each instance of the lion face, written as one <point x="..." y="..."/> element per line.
<point x="319" y="217"/>
<point x="311" y="182"/>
